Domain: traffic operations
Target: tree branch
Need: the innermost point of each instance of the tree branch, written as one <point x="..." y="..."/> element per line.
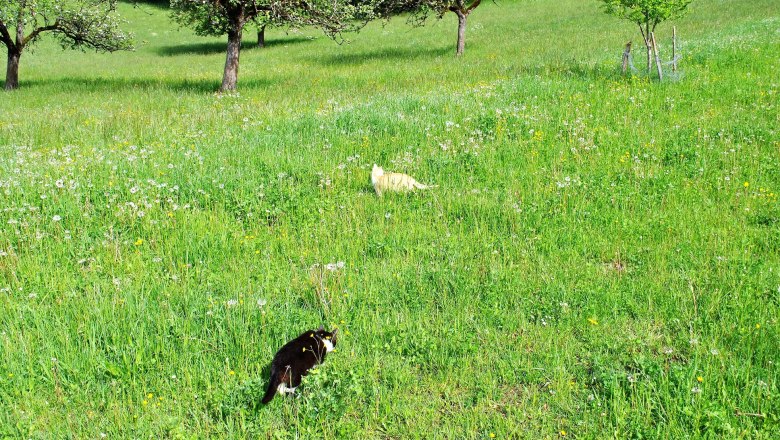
<point x="5" y="37"/>
<point x="20" y="23"/>
<point x="473" y="6"/>
<point x="642" y="31"/>
<point x="38" y="31"/>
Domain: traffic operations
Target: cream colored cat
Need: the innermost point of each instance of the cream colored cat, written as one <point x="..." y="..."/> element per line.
<point x="394" y="182"/>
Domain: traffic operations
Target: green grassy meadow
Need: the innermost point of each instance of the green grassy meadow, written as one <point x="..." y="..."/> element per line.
<point x="601" y="258"/>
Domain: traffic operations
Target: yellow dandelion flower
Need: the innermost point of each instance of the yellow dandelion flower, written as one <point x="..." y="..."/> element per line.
<point x="139" y="242"/>
<point x="593" y="321"/>
<point x="758" y="326"/>
<point x="699" y="379"/>
<point x="492" y="435"/>
<point x="232" y="373"/>
<point x="563" y="433"/>
<point x="746" y="184"/>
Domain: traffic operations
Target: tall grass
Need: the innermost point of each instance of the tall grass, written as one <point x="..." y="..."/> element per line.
<point x="600" y="259"/>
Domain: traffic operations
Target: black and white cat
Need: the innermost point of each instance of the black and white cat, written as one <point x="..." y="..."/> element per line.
<point x="296" y="358"/>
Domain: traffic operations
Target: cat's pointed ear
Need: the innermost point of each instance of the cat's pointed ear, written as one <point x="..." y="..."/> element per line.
<point x="334" y="332"/>
<point x="322" y="328"/>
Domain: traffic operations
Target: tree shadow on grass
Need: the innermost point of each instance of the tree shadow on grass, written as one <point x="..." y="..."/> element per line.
<point x="578" y="70"/>
<point x="103" y="84"/>
<point x="217" y="47"/>
<point x="391" y="54"/>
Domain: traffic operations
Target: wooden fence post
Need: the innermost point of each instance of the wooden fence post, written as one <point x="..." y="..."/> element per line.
<point x="626" y="56"/>
<point x="657" y="58"/>
<point x="674" y="49"/>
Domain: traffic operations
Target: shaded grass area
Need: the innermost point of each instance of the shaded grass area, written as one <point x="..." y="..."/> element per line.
<point x="600" y="258"/>
<point x="219" y="48"/>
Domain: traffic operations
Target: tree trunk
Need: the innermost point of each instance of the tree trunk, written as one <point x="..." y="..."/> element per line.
<point x="461" y="32"/>
<point x="12" y="71"/>
<point x="649" y="47"/>
<point x="261" y="37"/>
<point x="230" y="77"/>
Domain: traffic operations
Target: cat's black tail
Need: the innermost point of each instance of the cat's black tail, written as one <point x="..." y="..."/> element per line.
<point x="271" y="392"/>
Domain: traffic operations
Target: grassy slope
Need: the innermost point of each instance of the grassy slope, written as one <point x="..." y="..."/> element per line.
<point x="601" y="257"/>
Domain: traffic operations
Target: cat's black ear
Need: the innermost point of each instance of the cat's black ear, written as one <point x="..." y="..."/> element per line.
<point x="334" y="332"/>
<point x="322" y="328"/>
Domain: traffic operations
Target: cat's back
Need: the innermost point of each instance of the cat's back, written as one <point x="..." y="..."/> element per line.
<point x="294" y="348"/>
<point x="397" y="181"/>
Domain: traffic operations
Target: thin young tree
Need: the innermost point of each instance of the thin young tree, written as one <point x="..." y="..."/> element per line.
<point x="421" y="10"/>
<point x="228" y="17"/>
<point x="647" y="14"/>
<point x="75" y="23"/>
<point x="261" y="34"/>
<point x="262" y="21"/>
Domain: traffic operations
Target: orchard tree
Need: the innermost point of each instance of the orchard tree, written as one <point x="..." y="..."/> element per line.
<point x="261" y="33"/>
<point x="422" y="9"/>
<point x="220" y="17"/>
<point x="262" y="21"/>
<point x="75" y="23"/>
<point x="647" y="14"/>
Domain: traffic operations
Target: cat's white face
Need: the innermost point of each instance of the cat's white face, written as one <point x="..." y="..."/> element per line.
<point x="328" y="345"/>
